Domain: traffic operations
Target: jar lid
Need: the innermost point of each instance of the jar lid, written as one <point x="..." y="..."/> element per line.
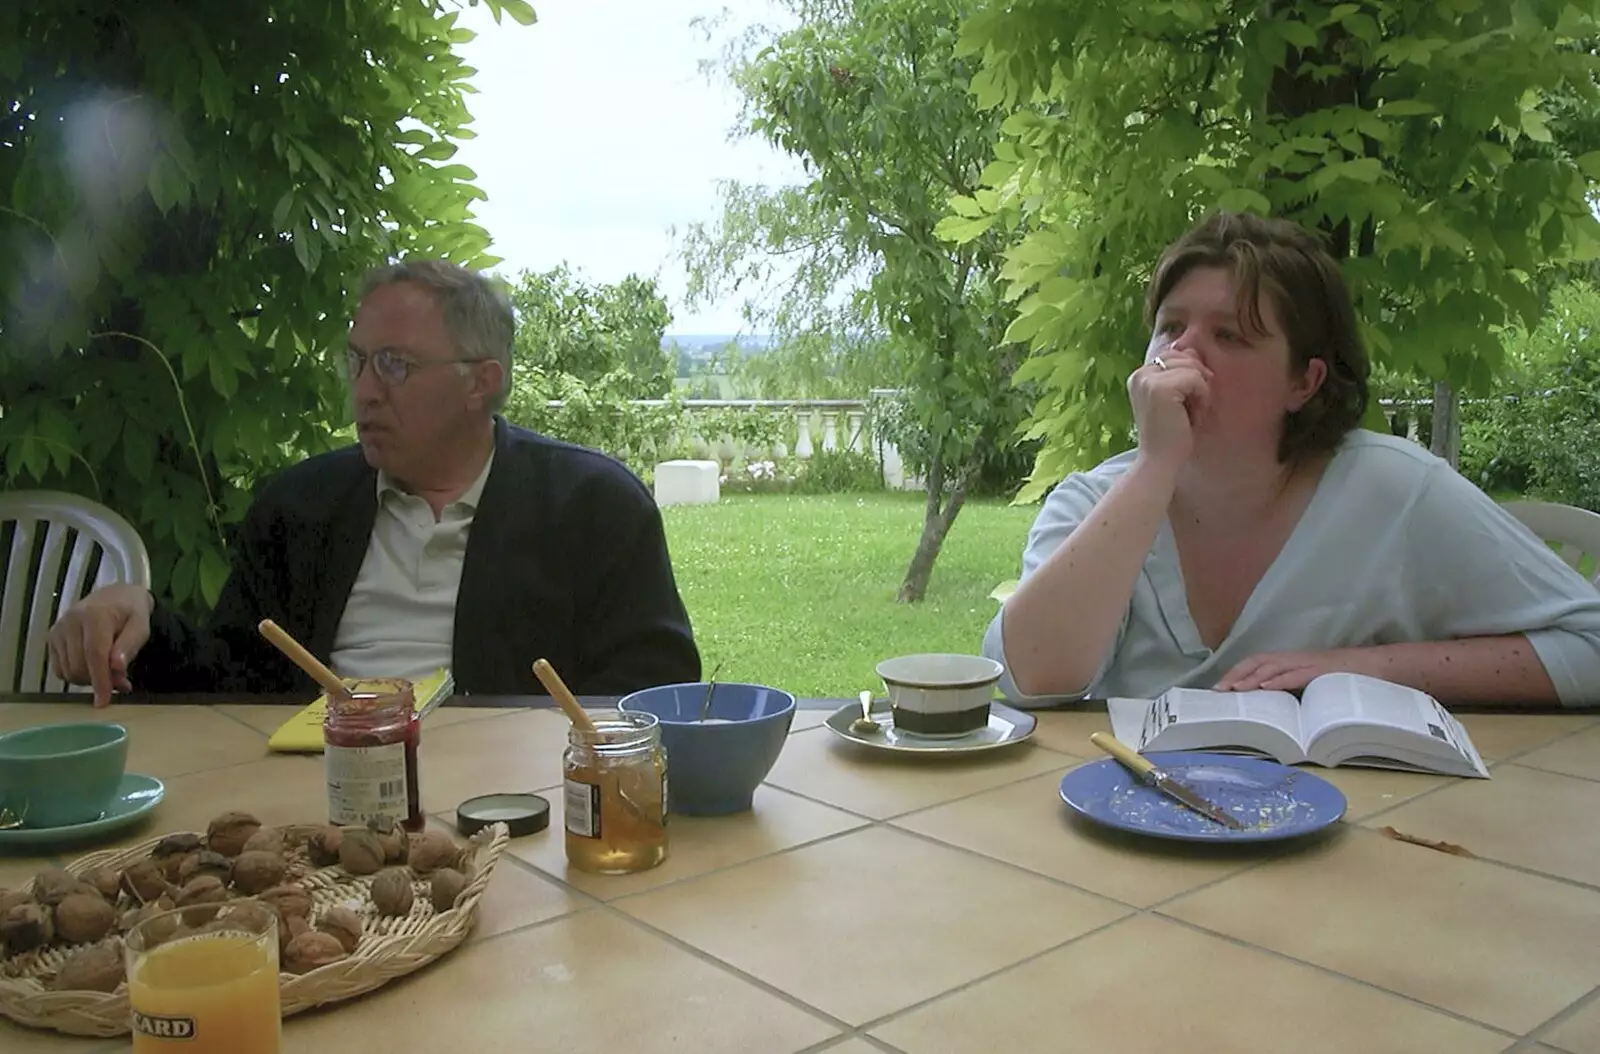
<point x="521" y="813"/>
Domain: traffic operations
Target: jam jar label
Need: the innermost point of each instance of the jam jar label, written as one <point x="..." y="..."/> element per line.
<point x="583" y="809"/>
<point x="364" y="782"/>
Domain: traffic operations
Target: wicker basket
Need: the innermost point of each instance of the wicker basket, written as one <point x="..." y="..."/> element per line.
<point x="389" y="947"/>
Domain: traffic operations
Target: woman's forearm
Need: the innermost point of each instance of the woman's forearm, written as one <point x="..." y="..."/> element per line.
<point x="1503" y="670"/>
<point x="1060" y="621"/>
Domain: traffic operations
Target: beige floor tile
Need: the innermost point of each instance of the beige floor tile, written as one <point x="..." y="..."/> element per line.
<point x="512" y="752"/>
<point x="1504" y="735"/>
<point x="267" y="719"/>
<point x="1519" y="947"/>
<point x="1026" y="824"/>
<point x="1538" y="1048"/>
<point x="821" y="766"/>
<point x="1577" y="755"/>
<point x="517" y="897"/>
<point x="588" y="984"/>
<point x="1149" y="986"/>
<point x="857" y="1046"/>
<point x="1068" y="730"/>
<point x="804" y="719"/>
<point x="14" y="1039"/>
<point x="697" y="844"/>
<point x="848" y="925"/>
<point x="277" y="789"/>
<point x="1539" y="820"/>
<point x="1368" y="791"/>
<point x="17" y="870"/>
<point x="163" y="741"/>
<point x="1578" y="1034"/>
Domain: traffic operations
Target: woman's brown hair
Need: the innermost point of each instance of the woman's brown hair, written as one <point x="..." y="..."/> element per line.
<point x="1312" y="302"/>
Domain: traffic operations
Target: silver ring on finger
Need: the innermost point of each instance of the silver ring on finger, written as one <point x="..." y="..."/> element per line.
<point x="1161" y="364"/>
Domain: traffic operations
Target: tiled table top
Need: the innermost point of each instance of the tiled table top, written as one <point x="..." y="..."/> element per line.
<point x="874" y="904"/>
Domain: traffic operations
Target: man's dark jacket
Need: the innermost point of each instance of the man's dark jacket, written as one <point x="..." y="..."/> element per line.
<point x="566" y="559"/>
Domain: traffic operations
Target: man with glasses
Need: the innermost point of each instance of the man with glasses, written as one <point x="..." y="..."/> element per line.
<point x="446" y="537"/>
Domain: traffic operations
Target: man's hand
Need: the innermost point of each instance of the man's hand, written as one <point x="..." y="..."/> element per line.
<point x="1289" y="671"/>
<point x="97" y="638"/>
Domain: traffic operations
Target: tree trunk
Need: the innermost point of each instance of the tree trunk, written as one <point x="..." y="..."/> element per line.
<point x="938" y="514"/>
<point x="1446" y="424"/>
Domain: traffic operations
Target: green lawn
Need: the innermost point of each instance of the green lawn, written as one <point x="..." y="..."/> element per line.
<point x="798" y="591"/>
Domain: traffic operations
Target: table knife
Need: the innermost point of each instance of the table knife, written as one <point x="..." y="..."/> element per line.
<point x="1143" y="768"/>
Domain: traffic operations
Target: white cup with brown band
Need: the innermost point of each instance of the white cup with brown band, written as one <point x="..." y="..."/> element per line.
<point x="939" y="696"/>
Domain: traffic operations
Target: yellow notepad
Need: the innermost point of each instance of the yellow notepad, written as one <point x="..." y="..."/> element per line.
<point x="302" y="733"/>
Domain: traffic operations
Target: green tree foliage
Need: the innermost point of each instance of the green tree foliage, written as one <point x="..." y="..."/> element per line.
<point x="583" y="330"/>
<point x="871" y="96"/>
<point x="1444" y="146"/>
<point x="188" y="192"/>
<point x="1536" y="434"/>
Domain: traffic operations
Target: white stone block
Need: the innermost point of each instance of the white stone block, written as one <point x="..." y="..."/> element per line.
<point x="688" y="482"/>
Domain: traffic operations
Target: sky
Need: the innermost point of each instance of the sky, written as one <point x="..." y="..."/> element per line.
<point x="597" y="134"/>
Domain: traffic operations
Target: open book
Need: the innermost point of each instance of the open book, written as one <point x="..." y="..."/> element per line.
<point x="1340" y="719"/>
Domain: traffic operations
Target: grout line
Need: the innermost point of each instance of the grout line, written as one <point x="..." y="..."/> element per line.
<point x="836" y="1042"/>
<point x="1331" y="972"/>
<point x="729" y="968"/>
<point x="236" y="719"/>
<point x="1548" y="772"/>
<point x="1576" y="1007"/>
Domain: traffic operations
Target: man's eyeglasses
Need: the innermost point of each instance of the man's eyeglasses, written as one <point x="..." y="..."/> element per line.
<point x="390" y="367"/>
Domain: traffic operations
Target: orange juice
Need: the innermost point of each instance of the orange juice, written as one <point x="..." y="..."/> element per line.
<point x="207" y="994"/>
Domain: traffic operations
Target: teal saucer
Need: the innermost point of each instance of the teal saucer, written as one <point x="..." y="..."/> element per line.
<point x="136" y="796"/>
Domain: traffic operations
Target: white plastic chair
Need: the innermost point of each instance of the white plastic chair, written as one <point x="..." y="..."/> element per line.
<point x="58" y="548"/>
<point x="1572" y="532"/>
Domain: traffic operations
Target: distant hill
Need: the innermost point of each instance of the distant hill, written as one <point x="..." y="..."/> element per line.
<point x="710" y="342"/>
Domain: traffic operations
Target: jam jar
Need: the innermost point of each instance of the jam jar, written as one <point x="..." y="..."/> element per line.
<point x="616" y="794"/>
<point x="370" y="742"/>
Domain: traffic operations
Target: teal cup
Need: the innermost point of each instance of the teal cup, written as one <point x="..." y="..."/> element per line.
<point x="60" y="775"/>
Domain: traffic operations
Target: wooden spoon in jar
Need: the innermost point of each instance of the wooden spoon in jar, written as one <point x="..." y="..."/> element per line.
<point x="562" y="695"/>
<point x="302" y="658"/>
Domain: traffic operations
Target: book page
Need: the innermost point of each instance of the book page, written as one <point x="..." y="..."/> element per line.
<point x="1349" y="698"/>
<point x="1346" y="712"/>
<point x="1196" y="719"/>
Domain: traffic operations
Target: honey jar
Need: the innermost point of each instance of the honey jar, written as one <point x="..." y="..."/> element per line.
<point x="616" y="794"/>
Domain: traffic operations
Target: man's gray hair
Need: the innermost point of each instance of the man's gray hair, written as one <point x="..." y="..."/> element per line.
<point x="477" y="310"/>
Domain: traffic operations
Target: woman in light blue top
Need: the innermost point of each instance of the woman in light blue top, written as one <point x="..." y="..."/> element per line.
<point x="1256" y="538"/>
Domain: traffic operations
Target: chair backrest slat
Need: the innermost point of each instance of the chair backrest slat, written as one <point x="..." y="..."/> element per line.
<point x="62" y="546"/>
<point x="1573" y="533"/>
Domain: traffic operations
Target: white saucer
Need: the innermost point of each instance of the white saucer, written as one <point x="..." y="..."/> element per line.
<point x="1006" y="726"/>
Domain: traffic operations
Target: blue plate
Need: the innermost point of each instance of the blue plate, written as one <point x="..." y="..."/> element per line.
<point x="135" y="797"/>
<point x="1274" y="801"/>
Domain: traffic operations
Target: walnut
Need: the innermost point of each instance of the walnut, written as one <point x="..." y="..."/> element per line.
<point x="55" y="885"/>
<point x="177" y="845"/>
<point x="158" y="933"/>
<point x="266" y="840"/>
<point x="107" y="882"/>
<point x="323" y="846"/>
<point x="288" y="929"/>
<point x="96" y="969"/>
<point x="146" y="881"/>
<point x="10" y="898"/>
<point x="228" y="832"/>
<point x="360" y="852"/>
<point x="445" y="886"/>
<point x="394" y="839"/>
<point x="205" y="862"/>
<point x="84" y="918"/>
<point x="255" y="871"/>
<point x="288" y="901"/>
<point x="171" y="867"/>
<point x="201" y="891"/>
<point x="26" y="927"/>
<point x="343" y="924"/>
<point x="392" y="893"/>
<point x="432" y="850"/>
<point x="311" y="950"/>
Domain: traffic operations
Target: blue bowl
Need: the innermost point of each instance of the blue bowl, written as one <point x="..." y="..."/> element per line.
<point x="715" y="766"/>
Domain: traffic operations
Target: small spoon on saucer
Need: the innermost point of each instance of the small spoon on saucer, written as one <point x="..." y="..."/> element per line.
<point x="865" y="725"/>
